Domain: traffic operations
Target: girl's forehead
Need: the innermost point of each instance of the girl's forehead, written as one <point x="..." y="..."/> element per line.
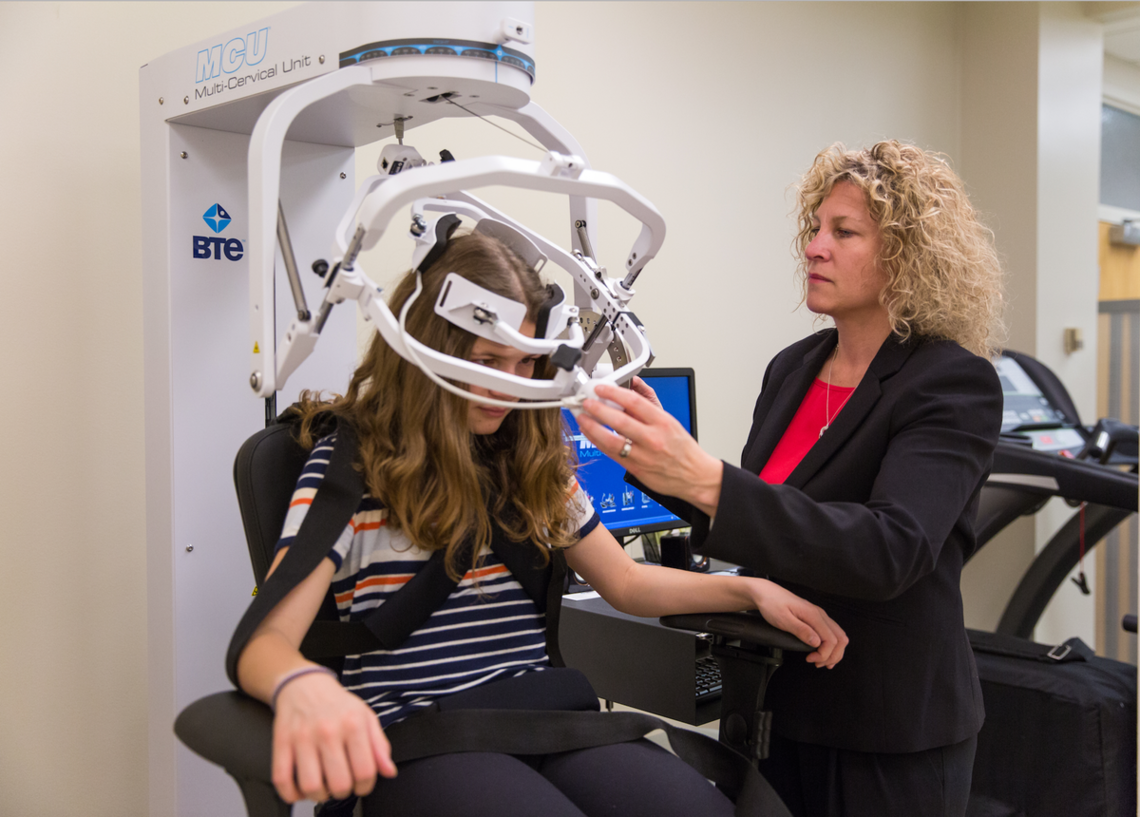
<point x="491" y="348"/>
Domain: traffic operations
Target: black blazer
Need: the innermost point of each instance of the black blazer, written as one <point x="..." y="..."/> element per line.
<point x="873" y="525"/>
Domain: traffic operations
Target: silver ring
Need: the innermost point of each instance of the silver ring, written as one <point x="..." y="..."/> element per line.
<point x="625" y="448"/>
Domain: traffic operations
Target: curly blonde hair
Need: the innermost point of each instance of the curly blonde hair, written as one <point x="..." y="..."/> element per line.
<point x="944" y="278"/>
<point x="440" y="483"/>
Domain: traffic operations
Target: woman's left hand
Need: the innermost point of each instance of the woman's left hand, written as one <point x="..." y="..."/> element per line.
<point x="806" y="621"/>
<point x="660" y="452"/>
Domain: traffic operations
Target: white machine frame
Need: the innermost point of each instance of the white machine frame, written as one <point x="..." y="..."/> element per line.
<point x="265" y="119"/>
<point x="378" y="203"/>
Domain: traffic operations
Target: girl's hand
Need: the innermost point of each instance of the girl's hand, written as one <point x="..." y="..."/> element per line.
<point x="327" y="742"/>
<point x="807" y="622"/>
<point x="661" y="453"/>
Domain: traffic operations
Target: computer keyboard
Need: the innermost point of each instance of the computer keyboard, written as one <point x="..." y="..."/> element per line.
<point x="708" y="679"/>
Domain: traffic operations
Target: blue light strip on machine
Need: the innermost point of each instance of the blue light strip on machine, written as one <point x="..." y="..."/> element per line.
<point x="438" y="47"/>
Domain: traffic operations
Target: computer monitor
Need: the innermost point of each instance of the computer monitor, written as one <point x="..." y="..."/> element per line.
<point x="626" y="511"/>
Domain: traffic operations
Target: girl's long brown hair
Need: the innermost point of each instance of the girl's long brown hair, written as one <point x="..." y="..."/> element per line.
<point x="440" y="483"/>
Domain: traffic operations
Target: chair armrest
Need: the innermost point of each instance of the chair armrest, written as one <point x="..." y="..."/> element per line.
<point x="233" y="730"/>
<point x="749" y="627"/>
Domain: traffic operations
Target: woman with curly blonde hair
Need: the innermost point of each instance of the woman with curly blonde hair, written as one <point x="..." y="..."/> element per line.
<point x="859" y="482"/>
<point x="943" y="274"/>
<point x="490" y="487"/>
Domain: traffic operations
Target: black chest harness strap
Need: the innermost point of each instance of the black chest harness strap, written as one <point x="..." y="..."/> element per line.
<point x="484" y="727"/>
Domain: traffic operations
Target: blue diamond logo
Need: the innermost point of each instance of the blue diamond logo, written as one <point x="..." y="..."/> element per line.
<point x="217" y="218"/>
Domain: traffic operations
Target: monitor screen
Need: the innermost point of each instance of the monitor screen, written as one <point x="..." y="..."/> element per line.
<point x="624" y="510"/>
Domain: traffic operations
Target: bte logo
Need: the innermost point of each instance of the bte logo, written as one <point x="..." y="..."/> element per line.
<point x="207" y="246"/>
<point x="217" y="218"/>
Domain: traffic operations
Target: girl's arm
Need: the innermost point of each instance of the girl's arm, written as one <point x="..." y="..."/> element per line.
<point x="326" y="741"/>
<point x="649" y="590"/>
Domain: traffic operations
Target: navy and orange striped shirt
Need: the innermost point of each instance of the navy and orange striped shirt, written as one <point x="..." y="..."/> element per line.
<point x="488" y="628"/>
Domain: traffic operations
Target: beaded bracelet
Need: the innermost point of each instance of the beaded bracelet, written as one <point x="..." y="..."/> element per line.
<point x="293" y="676"/>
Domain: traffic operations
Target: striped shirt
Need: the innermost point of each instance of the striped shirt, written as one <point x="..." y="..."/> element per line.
<point x="488" y="628"/>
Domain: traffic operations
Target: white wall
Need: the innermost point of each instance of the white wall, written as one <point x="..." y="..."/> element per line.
<point x="1071" y="60"/>
<point x="999" y="163"/>
<point x="73" y="605"/>
<point x="709" y="109"/>
<point x="1030" y="154"/>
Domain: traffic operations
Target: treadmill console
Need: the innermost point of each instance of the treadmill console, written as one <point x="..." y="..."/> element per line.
<point x="1029" y="417"/>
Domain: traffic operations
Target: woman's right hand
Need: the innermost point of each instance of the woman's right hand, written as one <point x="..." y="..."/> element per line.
<point x="327" y="742"/>
<point x="657" y="449"/>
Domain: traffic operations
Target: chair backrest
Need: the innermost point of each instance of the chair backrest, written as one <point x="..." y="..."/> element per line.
<point x="265" y="474"/>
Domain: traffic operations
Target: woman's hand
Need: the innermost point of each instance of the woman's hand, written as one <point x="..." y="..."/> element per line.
<point x="806" y="621"/>
<point x="327" y="742"/>
<point x="661" y="453"/>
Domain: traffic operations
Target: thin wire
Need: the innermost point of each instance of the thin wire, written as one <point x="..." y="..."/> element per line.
<point x="496" y="125"/>
<point x="415" y="359"/>
<point x="827" y="418"/>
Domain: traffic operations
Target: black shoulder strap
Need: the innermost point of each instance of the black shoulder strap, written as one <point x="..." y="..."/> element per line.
<point x="1012" y="647"/>
<point x="544" y="583"/>
<point x="336" y="501"/>
<point x="405" y="611"/>
<point x="413" y="604"/>
<point x="390" y="624"/>
<point x="554" y="590"/>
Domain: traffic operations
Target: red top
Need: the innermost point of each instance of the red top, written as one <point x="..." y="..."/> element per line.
<point x="803" y="431"/>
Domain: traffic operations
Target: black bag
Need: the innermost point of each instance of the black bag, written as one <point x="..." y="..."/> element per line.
<point x="1060" y="731"/>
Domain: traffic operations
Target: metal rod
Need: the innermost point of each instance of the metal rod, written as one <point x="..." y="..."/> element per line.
<point x="598" y="327"/>
<point x="322" y="316"/>
<point x="353" y="248"/>
<point x="291" y="265"/>
<point x="584" y="240"/>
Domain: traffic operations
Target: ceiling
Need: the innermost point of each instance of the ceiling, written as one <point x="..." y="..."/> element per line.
<point x="1121" y="28"/>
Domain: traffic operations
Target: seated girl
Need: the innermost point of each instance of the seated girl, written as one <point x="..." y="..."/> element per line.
<point x="442" y="472"/>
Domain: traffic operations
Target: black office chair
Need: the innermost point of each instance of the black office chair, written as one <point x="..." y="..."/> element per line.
<point x="748" y="651"/>
<point x="235" y="731"/>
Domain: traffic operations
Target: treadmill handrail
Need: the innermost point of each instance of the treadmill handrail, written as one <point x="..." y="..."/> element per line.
<point x="1048" y="474"/>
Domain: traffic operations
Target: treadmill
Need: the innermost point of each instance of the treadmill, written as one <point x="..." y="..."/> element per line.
<point x="1046" y="451"/>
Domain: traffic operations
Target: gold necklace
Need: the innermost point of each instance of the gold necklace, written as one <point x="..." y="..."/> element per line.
<point x="827" y="418"/>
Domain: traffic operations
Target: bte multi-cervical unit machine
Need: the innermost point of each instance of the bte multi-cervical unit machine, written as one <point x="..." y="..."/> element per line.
<point x="248" y="159"/>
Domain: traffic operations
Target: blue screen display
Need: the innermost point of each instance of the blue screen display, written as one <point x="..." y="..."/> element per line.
<point x="623" y="508"/>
